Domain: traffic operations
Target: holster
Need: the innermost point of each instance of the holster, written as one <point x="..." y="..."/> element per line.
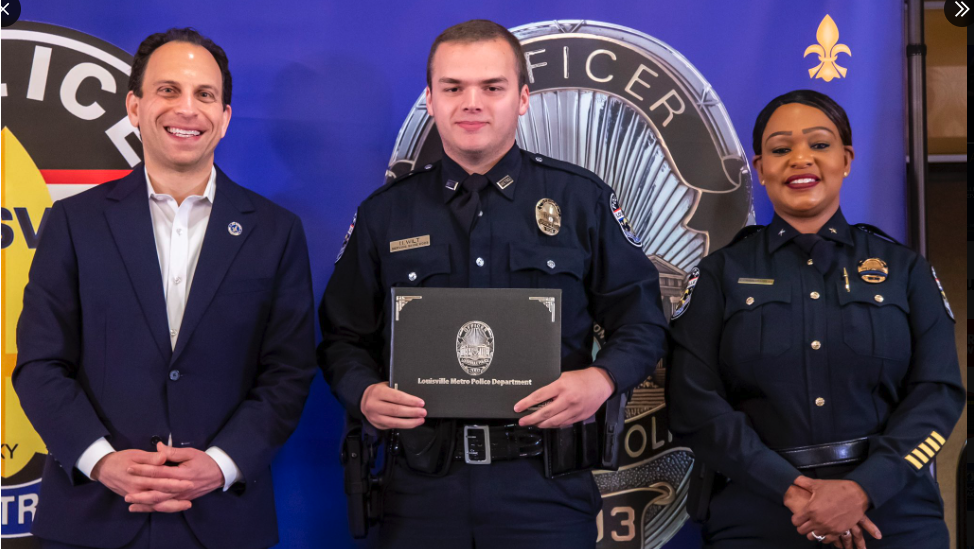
<point x="362" y="487"/>
<point x="429" y="448"/>
<point x="702" y="484"/>
<point x="587" y="445"/>
<point x="611" y="418"/>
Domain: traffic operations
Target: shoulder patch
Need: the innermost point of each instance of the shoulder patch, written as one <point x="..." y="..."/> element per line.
<point x="871" y="229"/>
<point x="746" y="232"/>
<point x="345" y="241"/>
<point x="686" y="298"/>
<point x="618" y="213"/>
<point x="945" y="299"/>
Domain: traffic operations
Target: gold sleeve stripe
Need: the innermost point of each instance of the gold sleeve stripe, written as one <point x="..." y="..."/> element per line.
<point x="920" y="455"/>
<point x="926" y="449"/>
<point x="913" y="461"/>
<point x="938" y="437"/>
<point x="932" y="444"/>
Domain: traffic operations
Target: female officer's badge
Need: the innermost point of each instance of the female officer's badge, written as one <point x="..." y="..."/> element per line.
<point x="618" y="214"/>
<point x="873" y="270"/>
<point x="945" y="300"/>
<point x="548" y="216"/>
<point x="686" y="298"/>
<point x="345" y="241"/>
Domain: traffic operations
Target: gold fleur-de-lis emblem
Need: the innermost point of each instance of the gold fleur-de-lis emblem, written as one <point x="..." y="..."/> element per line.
<point x="827" y="50"/>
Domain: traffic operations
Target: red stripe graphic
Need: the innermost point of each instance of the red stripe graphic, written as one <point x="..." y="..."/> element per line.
<point x="82" y="177"/>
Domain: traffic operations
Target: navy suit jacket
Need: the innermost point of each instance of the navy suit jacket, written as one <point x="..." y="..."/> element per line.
<point x="95" y="358"/>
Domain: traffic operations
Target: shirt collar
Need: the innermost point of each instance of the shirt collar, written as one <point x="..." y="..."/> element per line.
<point x="502" y="176"/>
<point x="208" y="192"/>
<point x="835" y="229"/>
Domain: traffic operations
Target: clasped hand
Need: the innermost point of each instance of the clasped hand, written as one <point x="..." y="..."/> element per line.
<point x="149" y="485"/>
<point x="830" y="508"/>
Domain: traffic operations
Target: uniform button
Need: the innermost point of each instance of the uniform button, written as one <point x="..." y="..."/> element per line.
<point x="815" y="345"/>
<point x="412" y="276"/>
<point x="879" y="298"/>
<point x="155" y="440"/>
<point x="820" y="401"/>
<point x="814" y="295"/>
<point x="172" y="332"/>
<point x="480" y="262"/>
<point x="750" y="301"/>
<point x="551" y="264"/>
<point x="177" y="280"/>
<point x="179" y="231"/>
<point x="174" y="375"/>
<point x="428" y="166"/>
<point x="480" y="213"/>
<point x="809" y="262"/>
<point x="538" y="159"/>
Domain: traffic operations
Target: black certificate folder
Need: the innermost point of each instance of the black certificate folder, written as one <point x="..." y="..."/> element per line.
<point x="474" y="352"/>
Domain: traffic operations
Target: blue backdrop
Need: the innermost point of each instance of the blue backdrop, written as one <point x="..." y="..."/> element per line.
<point x="322" y="87"/>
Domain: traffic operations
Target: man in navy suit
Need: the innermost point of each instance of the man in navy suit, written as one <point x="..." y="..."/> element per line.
<point x="166" y="344"/>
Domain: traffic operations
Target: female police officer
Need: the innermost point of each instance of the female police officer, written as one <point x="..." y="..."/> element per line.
<point x="814" y="366"/>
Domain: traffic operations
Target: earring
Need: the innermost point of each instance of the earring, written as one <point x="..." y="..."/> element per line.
<point x="846" y="174"/>
<point x="762" y="182"/>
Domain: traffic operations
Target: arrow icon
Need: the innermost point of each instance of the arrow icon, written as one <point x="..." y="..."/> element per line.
<point x="963" y="9"/>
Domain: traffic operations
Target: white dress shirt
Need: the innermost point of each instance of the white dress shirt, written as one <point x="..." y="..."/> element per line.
<point x="179" y="230"/>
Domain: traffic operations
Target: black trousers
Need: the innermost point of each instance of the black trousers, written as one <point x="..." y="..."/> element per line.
<point x="740" y="518"/>
<point x="161" y="531"/>
<point x="504" y="505"/>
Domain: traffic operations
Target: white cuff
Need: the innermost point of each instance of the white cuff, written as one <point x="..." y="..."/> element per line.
<point x="227" y="466"/>
<point x="90" y="458"/>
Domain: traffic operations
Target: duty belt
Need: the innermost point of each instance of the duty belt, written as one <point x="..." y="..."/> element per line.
<point x="823" y="455"/>
<point x="482" y="444"/>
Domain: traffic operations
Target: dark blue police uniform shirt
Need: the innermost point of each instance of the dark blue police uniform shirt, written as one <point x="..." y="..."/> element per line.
<point x="604" y="278"/>
<point x="772" y="354"/>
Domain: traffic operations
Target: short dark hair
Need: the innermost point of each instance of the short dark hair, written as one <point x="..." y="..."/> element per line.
<point x="480" y="30"/>
<point x="811" y="98"/>
<point x="188" y="35"/>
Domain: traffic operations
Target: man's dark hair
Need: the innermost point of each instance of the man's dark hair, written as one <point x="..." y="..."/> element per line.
<point x="188" y="35"/>
<point x="811" y="98"/>
<point x="480" y="30"/>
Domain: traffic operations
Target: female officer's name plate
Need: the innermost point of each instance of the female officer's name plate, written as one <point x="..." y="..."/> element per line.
<point x="474" y="352"/>
<point x="759" y="281"/>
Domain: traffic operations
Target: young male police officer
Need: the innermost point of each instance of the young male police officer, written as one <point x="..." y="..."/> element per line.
<point x="167" y="344"/>
<point x="478" y="206"/>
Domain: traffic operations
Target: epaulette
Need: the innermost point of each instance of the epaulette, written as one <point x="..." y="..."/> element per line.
<point x="871" y="229"/>
<point x="566" y="167"/>
<point x="402" y="177"/>
<point x="746" y="232"/>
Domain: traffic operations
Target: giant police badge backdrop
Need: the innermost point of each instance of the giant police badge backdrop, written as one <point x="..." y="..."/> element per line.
<point x="64" y="130"/>
<point x="634" y="111"/>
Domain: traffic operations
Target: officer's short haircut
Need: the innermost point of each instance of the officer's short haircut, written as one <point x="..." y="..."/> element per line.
<point x="188" y="35"/>
<point x="811" y="98"/>
<point x="480" y="30"/>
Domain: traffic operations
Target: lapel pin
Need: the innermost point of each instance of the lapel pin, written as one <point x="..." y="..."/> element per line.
<point x="234" y="228"/>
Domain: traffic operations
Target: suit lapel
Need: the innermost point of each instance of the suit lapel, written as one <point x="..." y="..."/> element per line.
<point x="131" y="225"/>
<point x="220" y="247"/>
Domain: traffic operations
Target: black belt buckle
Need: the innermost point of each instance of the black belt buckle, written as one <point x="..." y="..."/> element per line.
<point x="477" y="445"/>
